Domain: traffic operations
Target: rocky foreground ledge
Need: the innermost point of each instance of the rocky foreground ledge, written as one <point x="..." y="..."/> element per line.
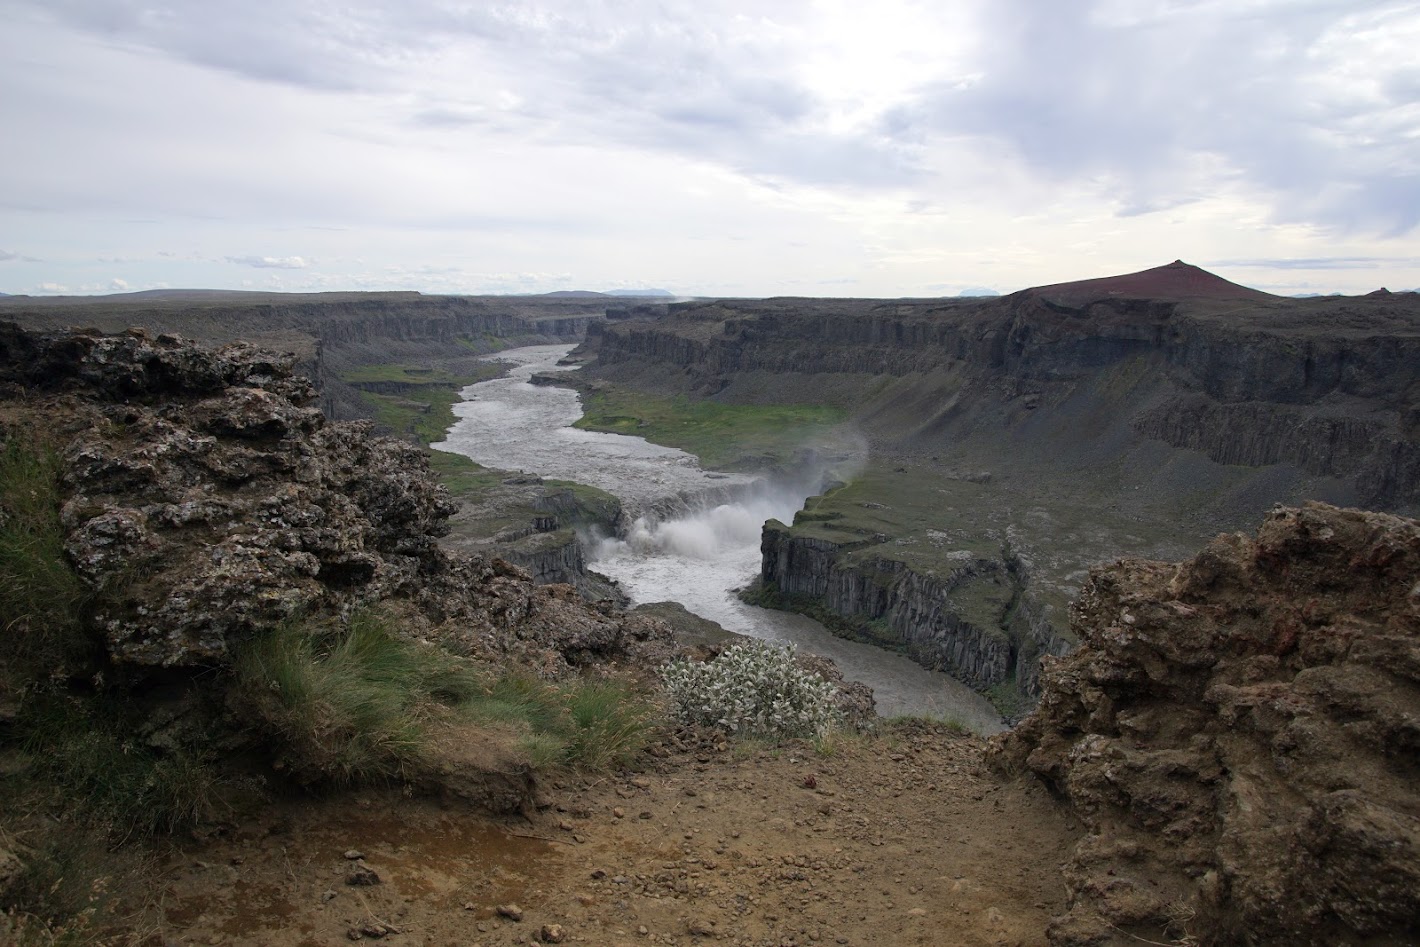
<point x="1240" y="734"/>
<point x="208" y="499"/>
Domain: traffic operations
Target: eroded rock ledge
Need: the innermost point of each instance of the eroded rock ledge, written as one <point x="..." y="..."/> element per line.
<point x="1240" y="734"/>
<point x="207" y="499"/>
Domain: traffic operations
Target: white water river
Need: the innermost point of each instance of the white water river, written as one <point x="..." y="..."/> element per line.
<point x="697" y="559"/>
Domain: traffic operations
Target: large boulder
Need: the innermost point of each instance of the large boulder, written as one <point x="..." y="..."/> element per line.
<point x="1240" y="735"/>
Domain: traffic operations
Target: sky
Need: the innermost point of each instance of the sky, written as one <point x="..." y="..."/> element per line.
<point x="706" y="147"/>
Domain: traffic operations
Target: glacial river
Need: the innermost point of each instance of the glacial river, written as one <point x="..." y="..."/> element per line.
<point x="698" y="558"/>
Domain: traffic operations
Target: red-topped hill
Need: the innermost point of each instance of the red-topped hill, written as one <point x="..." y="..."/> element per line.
<point x="1176" y="280"/>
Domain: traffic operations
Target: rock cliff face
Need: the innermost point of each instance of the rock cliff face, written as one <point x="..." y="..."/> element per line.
<point x="207" y="500"/>
<point x="1329" y="385"/>
<point x="1239" y="735"/>
<point x="970" y="621"/>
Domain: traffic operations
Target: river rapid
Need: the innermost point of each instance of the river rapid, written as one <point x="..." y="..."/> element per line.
<point x="694" y="534"/>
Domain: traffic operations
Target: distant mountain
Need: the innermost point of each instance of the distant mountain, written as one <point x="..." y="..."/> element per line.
<point x="1176" y="280"/>
<point x="570" y="294"/>
<point x="977" y="292"/>
<point x="641" y="292"/>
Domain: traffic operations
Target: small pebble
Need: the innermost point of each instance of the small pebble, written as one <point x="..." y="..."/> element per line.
<point x="363" y="876"/>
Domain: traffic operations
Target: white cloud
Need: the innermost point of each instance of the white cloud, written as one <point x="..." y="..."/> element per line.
<point x="271" y="262"/>
<point x="707" y="146"/>
<point x="118" y="285"/>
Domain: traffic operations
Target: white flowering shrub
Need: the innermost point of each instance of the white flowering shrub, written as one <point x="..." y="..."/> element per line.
<point x="752" y="688"/>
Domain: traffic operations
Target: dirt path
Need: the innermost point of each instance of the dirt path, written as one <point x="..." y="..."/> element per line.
<point x="899" y="839"/>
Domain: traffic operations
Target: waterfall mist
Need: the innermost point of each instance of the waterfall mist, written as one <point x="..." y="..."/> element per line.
<point x="706" y="534"/>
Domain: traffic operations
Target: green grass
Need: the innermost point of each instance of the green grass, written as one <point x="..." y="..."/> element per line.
<point x="591" y="724"/>
<point x="1008" y="700"/>
<point x="359" y="704"/>
<point x="87" y="749"/>
<point x="721" y="435"/>
<point x="422" y="409"/>
<point x="349" y="705"/>
<point x="461" y="475"/>
<point x="42" y="601"/>
<point x="926" y="522"/>
<point x="424" y="416"/>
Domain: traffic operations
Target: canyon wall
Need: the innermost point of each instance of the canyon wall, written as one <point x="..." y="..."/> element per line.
<point x="974" y="620"/>
<point x="1329" y="385"/>
<point x="329" y="333"/>
<point x="1108" y="423"/>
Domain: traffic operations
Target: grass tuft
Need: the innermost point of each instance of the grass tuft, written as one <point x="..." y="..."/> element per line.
<point x="349" y="705"/>
<point x="86" y="748"/>
<point x="590" y="724"/>
<point x="357" y="705"/>
<point x="42" y="601"/>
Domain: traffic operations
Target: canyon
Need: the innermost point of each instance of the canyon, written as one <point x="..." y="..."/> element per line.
<point x="1012" y="442"/>
<point x="1017" y="441"/>
<point x="1223" y="750"/>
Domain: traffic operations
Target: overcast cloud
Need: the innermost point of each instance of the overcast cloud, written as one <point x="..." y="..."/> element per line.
<point x="822" y="148"/>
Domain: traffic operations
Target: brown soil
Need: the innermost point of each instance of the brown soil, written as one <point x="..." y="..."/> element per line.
<point x="900" y="838"/>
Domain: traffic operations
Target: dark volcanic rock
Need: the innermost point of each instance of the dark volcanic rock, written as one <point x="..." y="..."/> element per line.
<point x="1240" y="734"/>
<point x="206" y="500"/>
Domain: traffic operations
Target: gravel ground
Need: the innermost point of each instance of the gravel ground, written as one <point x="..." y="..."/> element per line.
<point x="898" y="838"/>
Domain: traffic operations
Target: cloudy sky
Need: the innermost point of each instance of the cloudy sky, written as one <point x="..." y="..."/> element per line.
<point x="706" y="146"/>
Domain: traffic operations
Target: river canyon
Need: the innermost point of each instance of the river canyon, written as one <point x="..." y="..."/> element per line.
<point x="688" y="535"/>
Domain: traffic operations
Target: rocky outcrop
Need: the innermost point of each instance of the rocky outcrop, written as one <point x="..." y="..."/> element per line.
<point x="206" y="500"/>
<point x="1238" y="734"/>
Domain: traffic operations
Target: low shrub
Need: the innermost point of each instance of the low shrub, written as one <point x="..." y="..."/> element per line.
<point x="755" y="689"/>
